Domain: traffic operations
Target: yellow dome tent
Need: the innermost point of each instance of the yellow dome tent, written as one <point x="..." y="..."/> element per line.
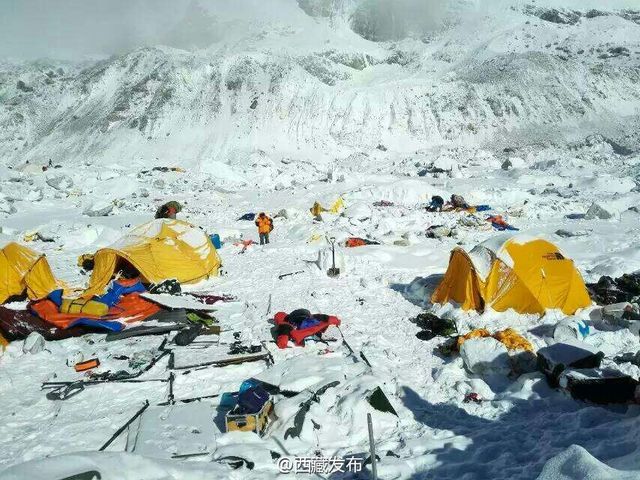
<point x="22" y="269"/>
<point x="161" y="249"/>
<point x="526" y="274"/>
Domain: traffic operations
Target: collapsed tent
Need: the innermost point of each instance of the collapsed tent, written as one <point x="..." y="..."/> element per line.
<point x="526" y="274"/>
<point x="120" y="305"/>
<point x="159" y="250"/>
<point x="24" y="270"/>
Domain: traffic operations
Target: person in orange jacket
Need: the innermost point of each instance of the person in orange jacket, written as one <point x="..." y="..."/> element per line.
<point x="265" y="226"/>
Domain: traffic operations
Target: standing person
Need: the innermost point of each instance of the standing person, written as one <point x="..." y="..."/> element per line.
<point x="265" y="226"/>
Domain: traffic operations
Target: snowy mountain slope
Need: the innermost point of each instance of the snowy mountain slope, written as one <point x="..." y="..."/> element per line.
<point x="485" y="79"/>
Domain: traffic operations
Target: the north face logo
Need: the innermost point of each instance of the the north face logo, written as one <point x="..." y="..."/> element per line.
<point x="553" y="256"/>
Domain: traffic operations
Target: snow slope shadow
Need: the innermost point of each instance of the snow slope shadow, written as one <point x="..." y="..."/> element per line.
<point x="518" y="443"/>
<point x="420" y="289"/>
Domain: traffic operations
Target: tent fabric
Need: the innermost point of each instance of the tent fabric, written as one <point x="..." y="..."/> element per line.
<point x="161" y="249"/>
<point x="18" y="324"/>
<point x="24" y="270"/>
<point x="528" y="275"/>
<point x="131" y="308"/>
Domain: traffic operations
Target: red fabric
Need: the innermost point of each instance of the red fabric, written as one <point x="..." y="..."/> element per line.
<point x="282" y="341"/>
<point x="355" y="242"/>
<point x="298" y="335"/>
<point x="130" y="308"/>
<point x="498" y="220"/>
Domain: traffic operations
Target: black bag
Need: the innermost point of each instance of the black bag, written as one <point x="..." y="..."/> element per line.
<point x="253" y="399"/>
<point x="599" y="386"/>
<point x="556" y="358"/>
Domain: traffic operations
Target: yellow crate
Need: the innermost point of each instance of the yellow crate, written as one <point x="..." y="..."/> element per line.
<point x="248" y="422"/>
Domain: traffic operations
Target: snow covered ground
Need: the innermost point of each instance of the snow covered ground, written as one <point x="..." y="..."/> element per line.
<point x="532" y="112"/>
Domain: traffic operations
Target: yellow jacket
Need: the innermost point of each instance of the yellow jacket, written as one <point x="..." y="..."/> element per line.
<point x="264" y="224"/>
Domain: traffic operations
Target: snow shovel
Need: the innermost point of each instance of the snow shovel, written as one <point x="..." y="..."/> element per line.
<point x="333" y="271"/>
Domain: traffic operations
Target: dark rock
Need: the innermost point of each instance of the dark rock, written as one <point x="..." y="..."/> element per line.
<point x="23" y="87"/>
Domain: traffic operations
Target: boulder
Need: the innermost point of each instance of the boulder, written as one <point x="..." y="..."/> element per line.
<point x="596" y="211"/>
<point x="485" y="356"/>
<point x="34" y="343"/>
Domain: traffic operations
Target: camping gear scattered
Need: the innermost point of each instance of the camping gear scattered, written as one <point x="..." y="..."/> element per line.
<point x="602" y="386"/>
<point x="299" y="325"/>
<point x="570" y="328"/>
<point x="18" y="324"/>
<point x="208" y="299"/>
<point x="245" y="245"/>
<point x="518" y="272"/>
<point x="170" y="286"/>
<point x="168" y="210"/>
<point x="633" y="358"/>
<point x="511" y="339"/>
<point x="380" y="402"/>
<point x="377" y="399"/>
<point x="433" y="326"/>
<point x="174" y="431"/>
<point x="159" y="250"/>
<point x="251" y="398"/>
<point x="333" y="271"/>
<point x="215" y="239"/>
<point x="436" y="204"/>
<point x="178" y="302"/>
<point x="622" y="289"/>
<point x="65" y="392"/>
<point x="23" y="270"/>
<point x="87" y="365"/>
<point x="298" y="420"/>
<point x="222" y="361"/>
<point x="130" y="308"/>
<point x="372" y="449"/>
<point x="124" y="427"/>
<point x="556" y="358"/>
<point x="472" y="397"/>
<point x="458" y="202"/>
<point x="143" y="330"/>
<point x="248" y="217"/>
<point x="165" y="170"/>
<point x="439" y="231"/>
<point x="107" y="377"/>
<point x="383" y="203"/>
<point x="317" y="209"/>
<point x="242" y="421"/>
<point x="499" y="223"/>
<point x="284" y="275"/>
<point x="188" y="335"/>
<point x="84" y="305"/>
<point x="353" y="242"/>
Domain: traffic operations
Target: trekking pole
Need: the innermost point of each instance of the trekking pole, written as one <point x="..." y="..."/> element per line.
<point x="372" y="449"/>
<point x="124" y="427"/>
<point x="269" y="306"/>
